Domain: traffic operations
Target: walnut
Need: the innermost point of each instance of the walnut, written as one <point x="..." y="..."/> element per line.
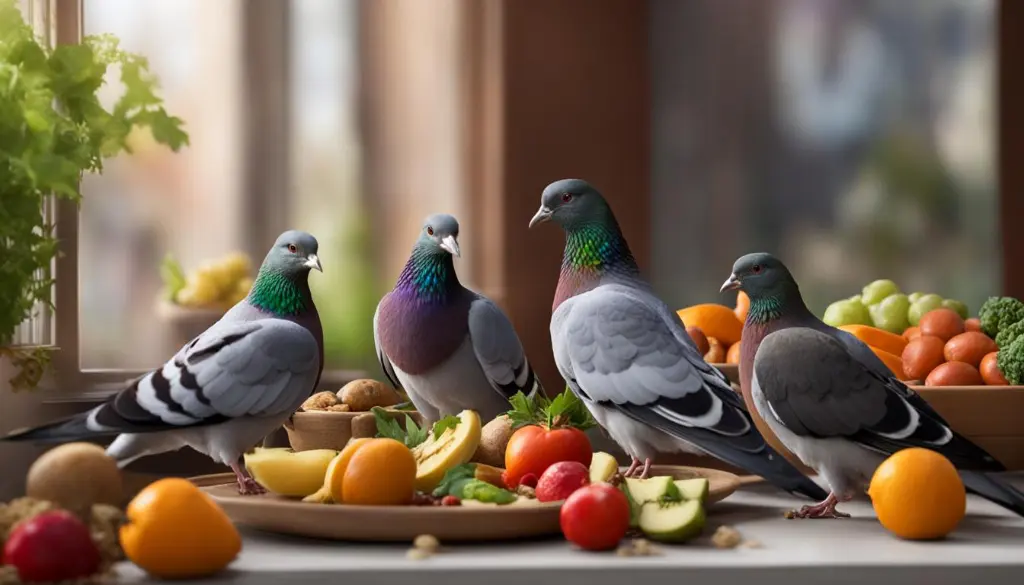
<point x="321" y="401"/>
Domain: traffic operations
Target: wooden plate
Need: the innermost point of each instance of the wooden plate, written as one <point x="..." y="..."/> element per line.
<point x="404" y="523"/>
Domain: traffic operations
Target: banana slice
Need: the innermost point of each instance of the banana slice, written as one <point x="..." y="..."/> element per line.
<point x="434" y="457"/>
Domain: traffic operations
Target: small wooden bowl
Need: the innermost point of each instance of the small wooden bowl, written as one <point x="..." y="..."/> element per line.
<point x="186" y="323"/>
<point x="318" y="429"/>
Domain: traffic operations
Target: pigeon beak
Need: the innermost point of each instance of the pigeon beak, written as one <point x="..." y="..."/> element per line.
<point x="543" y="214"/>
<point x="313" y="261"/>
<point x="451" y="245"/>
<point x="731" y="283"/>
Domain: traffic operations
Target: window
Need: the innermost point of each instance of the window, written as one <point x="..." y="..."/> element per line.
<point x="274" y="98"/>
<point x="855" y="139"/>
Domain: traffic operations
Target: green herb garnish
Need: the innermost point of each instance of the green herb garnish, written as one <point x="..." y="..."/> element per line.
<point x="388" y="428"/>
<point x="566" y="410"/>
<point x="448" y="422"/>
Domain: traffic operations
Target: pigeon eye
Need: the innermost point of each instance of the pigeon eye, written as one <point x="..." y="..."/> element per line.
<point x="566" y="197"/>
<point x="292" y="248"/>
<point x="756" y="269"/>
<point x="430" y="231"/>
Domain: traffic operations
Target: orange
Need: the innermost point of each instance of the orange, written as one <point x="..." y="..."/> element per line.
<point x="175" y="531"/>
<point x="742" y="306"/>
<point x="879" y="338"/>
<point x="335" y="476"/>
<point x="918" y="494"/>
<point x="733" y="355"/>
<point x="714" y="320"/>
<point x="893" y="362"/>
<point x="381" y="472"/>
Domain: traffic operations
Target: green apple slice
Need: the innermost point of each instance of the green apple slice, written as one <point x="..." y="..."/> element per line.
<point x="694" y="489"/>
<point x="672" y="521"/>
<point x="602" y="467"/>
<point x="652" y="489"/>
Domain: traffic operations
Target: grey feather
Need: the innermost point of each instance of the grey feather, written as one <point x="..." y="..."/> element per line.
<point x="498" y="349"/>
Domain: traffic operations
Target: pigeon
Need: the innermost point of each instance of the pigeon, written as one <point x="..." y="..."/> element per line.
<point x="229" y="387"/>
<point x="628" y="357"/>
<point x="832" y="402"/>
<point x="449" y="348"/>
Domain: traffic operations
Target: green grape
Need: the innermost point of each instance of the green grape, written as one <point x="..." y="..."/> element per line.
<point x="878" y="290"/>
<point x="892" y="313"/>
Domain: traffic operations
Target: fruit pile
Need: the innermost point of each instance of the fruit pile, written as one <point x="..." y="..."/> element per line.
<point x="716" y="329"/>
<point x="216" y="284"/>
<point x="71" y="528"/>
<point x="881" y="304"/>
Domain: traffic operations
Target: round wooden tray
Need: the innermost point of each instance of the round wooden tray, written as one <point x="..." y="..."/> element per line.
<point x="404" y="523"/>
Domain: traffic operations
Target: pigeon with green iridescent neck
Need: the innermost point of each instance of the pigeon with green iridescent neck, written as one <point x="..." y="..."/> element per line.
<point x="229" y="387"/>
<point x="449" y="348"/>
<point x="832" y="402"/>
<point x="629" y="358"/>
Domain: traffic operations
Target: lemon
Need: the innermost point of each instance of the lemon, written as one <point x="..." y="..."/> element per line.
<point x="289" y="473"/>
<point x="455" y="446"/>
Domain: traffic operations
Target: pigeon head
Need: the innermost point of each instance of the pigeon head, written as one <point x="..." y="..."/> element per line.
<point x="293" y="254"/>
<point x="440" y="234"/>
<point x="759" y="274"/>
<point x="571" y="203"/>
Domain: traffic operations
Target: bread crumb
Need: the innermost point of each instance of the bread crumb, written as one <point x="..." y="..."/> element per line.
<point x="321" y="401"/>
<point x="526" y="491"/>
<point x="417" y="554"/>
<point x="427" y="542"/>
<point x="644" y="548"/>
<point x="726" y="537"/>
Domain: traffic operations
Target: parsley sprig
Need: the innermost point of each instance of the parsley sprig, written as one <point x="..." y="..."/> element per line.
<point x="412" y="435"/>
<point x="565" y="411"/>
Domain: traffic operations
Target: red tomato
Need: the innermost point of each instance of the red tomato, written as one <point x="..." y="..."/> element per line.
<point x="533" y="448"/>
<point x="595" y="517"/>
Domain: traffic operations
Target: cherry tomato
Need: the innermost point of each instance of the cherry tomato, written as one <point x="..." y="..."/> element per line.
<point x="533" y="448"/>
<point x="53" y="546"/>
<point x="595" y="517"/>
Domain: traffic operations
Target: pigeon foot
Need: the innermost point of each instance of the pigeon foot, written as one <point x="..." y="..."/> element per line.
<point x="646" y="472"/>
<point x="824" y="509"/>
<point x="632" y="468"/>
<point x="247" y="486"/>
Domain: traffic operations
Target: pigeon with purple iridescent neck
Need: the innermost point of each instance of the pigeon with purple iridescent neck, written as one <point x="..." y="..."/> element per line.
<point x="449" y="348"/>
<point x="629" y="358"/>
<point x="228" y="388"/>
<point x="832" y="402"/>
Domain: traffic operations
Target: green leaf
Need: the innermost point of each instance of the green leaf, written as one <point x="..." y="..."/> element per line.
<point x="448" y="422"/>
<point x="173" y="277"/>
<point x="566" y="410"/>
<point x="459" y="472"/>
<point x="387" y="427"/>
<point x="414" y="434"/>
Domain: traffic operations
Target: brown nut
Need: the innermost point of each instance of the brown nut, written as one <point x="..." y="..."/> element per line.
<point x="362" y="395"/>
<point x="320" y="401"/>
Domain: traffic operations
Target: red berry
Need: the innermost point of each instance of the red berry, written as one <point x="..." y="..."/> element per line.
<point x="562" y="479"/>
<point x="53" y="546"/>
<point x="451" y="501"/>
<point x="595" y="517"/>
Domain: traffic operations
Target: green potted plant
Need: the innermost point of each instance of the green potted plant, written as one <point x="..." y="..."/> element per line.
<point x="53" y="129"/>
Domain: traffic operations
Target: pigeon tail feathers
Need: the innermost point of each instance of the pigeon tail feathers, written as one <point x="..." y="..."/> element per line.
<point x="994" y="490"/>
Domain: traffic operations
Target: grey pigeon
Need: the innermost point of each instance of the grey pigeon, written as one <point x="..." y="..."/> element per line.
<point x="629" y="358"/>
<point x="229" y="387"/>
<point x="449" y="348"/>
<point x="832" y="402"/>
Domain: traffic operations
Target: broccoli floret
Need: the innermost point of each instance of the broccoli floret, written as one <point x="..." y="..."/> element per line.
<point x="1008" y="334"/>
<point x="998" y="313"/>
<point x="1010" y="360"/>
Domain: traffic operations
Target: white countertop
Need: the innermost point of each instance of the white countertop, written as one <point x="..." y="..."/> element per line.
<point x="987" y="548"/>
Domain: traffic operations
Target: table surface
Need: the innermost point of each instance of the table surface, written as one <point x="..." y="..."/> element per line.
<point x="988" y="545"/>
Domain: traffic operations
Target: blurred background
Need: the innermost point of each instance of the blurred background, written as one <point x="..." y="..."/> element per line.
<point x="855" y="138"/>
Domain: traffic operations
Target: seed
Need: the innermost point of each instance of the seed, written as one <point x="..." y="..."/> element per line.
<point x="427" y="542"/>
<point x="726" y="537"/>
<point x="624" y="551"/>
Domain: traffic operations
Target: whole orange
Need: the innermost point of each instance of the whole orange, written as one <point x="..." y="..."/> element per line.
<point x="381" y="472"/>
<point x="714" y="320"/>
<point x="918" y="494"/>
<point x="176" y="531"/>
